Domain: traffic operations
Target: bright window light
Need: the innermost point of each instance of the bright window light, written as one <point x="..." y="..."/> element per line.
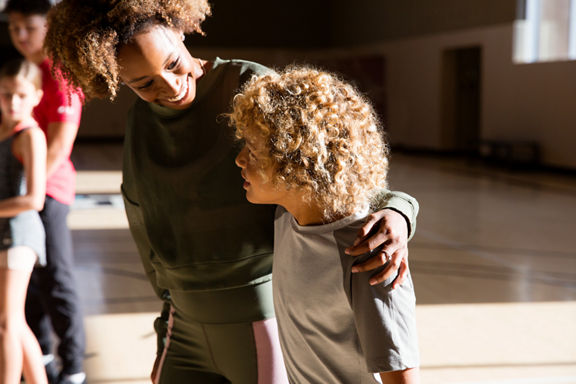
<point x="545" y="30"/>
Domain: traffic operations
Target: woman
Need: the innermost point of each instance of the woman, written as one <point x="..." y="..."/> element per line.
<point x="206" y="250"/>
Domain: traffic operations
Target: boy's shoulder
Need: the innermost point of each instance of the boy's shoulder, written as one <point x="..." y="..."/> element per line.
<point x="343" y="230"/>
<point x="280" y="212"/>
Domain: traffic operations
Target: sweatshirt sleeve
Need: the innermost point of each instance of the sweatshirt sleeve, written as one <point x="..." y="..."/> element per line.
<point x="402" y="203"/>
<point x="145" y="251"/>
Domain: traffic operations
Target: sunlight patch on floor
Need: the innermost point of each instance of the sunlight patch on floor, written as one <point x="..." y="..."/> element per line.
<point x="98" y="181"/>
<point x="120" y="347"/>
<point x="504" y="343"/>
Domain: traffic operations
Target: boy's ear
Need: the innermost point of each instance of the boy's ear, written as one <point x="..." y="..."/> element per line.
<point x="39" y="94"/>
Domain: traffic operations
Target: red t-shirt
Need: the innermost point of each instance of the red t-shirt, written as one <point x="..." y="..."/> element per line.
<point x="57" y="106"/>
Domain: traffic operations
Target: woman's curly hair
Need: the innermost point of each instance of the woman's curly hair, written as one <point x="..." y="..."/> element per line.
<point x="84" y="36"/>
<point x="322" y="136"/>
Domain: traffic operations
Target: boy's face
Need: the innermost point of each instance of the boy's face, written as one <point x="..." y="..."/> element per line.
<point x="27" y="33"/>
<point x="259" y="175"/>
<point x="18" y="97"/>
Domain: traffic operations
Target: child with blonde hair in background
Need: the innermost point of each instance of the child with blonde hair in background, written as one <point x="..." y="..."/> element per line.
<point x="22" y="192"/>
<point x="314" y="146"/>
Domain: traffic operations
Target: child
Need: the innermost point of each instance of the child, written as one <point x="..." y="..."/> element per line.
<point x="22" y="191"/>
<point x="52" y="304"/>
<point x="313" y="146"/>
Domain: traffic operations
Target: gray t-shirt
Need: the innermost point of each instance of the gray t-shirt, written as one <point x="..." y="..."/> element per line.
<point x="334" y="327"/>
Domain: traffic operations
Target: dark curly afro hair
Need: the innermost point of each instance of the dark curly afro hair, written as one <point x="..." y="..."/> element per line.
<point x="84" y="35"/>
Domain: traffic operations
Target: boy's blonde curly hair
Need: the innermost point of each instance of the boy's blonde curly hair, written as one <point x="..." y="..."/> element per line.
<point x="321" y="135"/>
<point x="84" y="36"/>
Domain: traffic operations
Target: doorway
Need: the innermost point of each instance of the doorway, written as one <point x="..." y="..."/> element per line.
<point x="461" y="99"/>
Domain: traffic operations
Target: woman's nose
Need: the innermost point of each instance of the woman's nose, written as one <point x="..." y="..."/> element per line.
<point x="172" y="84"/>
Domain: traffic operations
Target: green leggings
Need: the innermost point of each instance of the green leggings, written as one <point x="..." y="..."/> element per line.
<point x="210" y="352"/>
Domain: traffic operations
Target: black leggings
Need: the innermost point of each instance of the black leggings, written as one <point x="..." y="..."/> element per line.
<point x="52" y="293"/>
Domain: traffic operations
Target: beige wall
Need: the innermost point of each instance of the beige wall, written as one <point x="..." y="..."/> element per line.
<point x="519" y="102"/>
<point x="105" y="119"/>
<point x="381" y="20"/>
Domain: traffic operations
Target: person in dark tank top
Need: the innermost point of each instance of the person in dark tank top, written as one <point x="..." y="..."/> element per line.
<point x="22" y="191"/>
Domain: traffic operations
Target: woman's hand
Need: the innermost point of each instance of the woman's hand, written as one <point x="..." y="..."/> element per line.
<point x="390" y="229"/>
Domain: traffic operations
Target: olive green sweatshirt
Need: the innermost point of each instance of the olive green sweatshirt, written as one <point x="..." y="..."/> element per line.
<point x="186" y="207"/>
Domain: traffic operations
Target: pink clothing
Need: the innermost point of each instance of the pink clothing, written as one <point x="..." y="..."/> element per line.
<point x="57" y="106"/>
<point x="270" y="362"/>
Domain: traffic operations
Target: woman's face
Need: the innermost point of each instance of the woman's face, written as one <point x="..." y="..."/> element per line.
<point x="157" y="66"/>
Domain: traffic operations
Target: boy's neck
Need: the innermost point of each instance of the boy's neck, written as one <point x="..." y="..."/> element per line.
<point x="306" y="212"/>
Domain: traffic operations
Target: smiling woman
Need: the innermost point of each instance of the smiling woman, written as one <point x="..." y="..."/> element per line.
<point x="205" y="249"/>
<point x="158" y="68"/>
<point x="98" y="28"/>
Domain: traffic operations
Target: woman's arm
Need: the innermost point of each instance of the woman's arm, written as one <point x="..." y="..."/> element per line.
<point x="140" y="237"/>
<point x="30" y="147"/>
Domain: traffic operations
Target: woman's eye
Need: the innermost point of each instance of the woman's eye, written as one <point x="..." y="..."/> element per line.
<point x="173" y="64"/>
<point x="145" y="85"/>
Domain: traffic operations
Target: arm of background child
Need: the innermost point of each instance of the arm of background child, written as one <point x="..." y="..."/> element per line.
<point x="30" y="147"/>
<point x="391" y="226"/>
<point x="61" y="136"/>
<point x="62" y="110"/>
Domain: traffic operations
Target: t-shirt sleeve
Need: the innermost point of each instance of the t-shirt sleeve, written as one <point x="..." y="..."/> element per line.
<point x="64" y="108"/>
<point x="385" y="322"/>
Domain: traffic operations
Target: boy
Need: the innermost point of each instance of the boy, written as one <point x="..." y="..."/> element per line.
<point x="52" y="295"/>
<point x="313" y="146"/>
